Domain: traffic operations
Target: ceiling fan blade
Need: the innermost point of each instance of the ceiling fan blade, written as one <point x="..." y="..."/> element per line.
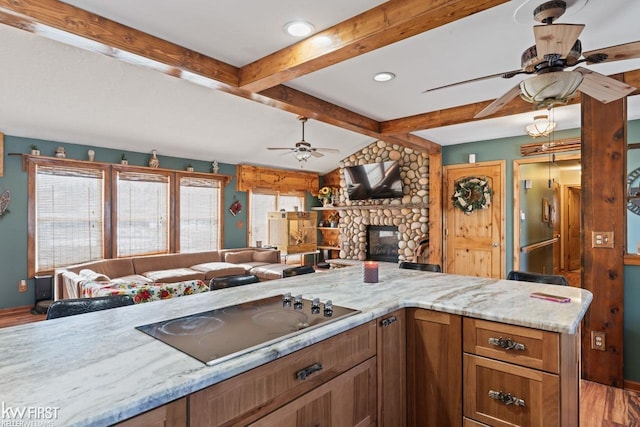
<point x="615" y="53"/>
<point x="281" y="148"/>
<point x="505" y="75"/>
<point x="603" y="88"/>
<point x="556" y="38"/>
<point x="499" y="103"/>
<point x="328" y="150"/>
<point x="314" y="153"/>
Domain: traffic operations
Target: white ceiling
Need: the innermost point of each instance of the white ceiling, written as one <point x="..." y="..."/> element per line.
<point x="53" y="91"/>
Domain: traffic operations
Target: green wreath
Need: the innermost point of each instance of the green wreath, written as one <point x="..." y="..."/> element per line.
<point x="472" y="193"/>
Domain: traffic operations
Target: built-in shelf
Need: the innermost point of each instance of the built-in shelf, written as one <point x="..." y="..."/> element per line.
<point x="327" y="228"/>
<point x="333" y="248"/>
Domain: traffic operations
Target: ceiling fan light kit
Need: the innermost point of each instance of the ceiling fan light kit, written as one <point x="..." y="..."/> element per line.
<point x="541" y="126"/>
<point x="549" y="89"/>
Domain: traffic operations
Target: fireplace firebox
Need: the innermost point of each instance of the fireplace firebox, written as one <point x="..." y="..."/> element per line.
<point x="382" y="243"/>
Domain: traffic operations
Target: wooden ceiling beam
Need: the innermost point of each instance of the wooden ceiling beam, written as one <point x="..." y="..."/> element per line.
<point x="386" y="24"/>
<point x="466" y="113"/>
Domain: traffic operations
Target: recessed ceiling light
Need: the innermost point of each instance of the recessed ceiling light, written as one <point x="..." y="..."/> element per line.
<point x="384" y="76"/>
<point x="298" y="28"/>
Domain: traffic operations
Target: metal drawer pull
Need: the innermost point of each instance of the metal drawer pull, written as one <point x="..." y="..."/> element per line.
<point x="507" y="399"/>
<point x="304" y="373"/>
<point x="388" y="321"/>
<point x="506" y="344"/>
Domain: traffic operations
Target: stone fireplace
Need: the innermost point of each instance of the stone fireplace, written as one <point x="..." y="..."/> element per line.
<point x="382" y="243"/>
<point x="409" y="214"/>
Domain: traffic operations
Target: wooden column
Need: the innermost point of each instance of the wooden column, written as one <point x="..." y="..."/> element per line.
<point x="436" y="210"/>
<point x="604" y="139"/>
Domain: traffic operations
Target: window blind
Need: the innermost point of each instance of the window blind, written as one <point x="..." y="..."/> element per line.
<point x="69" y="219"/>
<point x="142" y="213"/>
<point x="199" y="214"/>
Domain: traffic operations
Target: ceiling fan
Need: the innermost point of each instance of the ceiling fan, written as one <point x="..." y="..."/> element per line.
<point x="302" y="150"/>
<point x="558" y="48"/>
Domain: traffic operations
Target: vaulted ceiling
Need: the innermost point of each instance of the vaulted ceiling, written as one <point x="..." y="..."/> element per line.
<point x="221" y="80"/>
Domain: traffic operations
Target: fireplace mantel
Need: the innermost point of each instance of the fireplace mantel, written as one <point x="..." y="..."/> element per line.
<point x="372" y="207"/>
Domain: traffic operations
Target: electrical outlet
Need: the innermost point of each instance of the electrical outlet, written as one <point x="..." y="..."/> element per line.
<point x="22" y="286"/>
<point x="598" y="341"/>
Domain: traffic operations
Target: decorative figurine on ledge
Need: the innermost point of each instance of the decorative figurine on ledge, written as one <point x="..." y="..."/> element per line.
<point x="214" y="167"/>
<point x="153" y="161"/>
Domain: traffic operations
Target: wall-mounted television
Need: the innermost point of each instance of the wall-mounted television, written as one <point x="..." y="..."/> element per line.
<point x="373" y="181"/>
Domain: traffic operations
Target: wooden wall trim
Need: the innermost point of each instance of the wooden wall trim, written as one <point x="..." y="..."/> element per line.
<point x="604" y="151"/>
<point x="285" y="181"/>
<point x="1" y="154"/>
<point x="436" y="210"/>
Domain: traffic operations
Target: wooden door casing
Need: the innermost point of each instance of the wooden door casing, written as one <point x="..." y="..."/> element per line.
<point x="475" y="242"/>
<point x="574" y="243"/>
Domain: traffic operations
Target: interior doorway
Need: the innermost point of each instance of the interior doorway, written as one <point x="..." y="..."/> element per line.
<point x="547" y="204"/>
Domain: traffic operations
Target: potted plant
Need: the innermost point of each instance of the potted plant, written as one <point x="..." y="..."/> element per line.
<point x="35" y="151"/>
<point x="189" y="167"/>
<point x="123" y="159"/>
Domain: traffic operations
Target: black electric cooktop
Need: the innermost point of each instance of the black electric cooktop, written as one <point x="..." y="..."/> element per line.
<point x="216" y="335"/>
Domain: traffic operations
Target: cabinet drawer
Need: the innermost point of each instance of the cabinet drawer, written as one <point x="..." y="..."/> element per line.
<point x="532" y="348"/>
<point x="348" y="400"/>
<point x="250" y="395"/>
<point x="486" y="381"/>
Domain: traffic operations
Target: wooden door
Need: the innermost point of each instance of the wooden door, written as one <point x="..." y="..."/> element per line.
<point x="574" y="244"/>
<point x="474" y="242"/>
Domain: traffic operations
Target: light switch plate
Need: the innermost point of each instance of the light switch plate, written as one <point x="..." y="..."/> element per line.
<point x="602" y="239"/>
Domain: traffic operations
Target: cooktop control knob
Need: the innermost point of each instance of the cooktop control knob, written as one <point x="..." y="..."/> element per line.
<point x="315" y="306"/>
<point x="297" y="304"/>
<point x="328" y="309"/>
<point x="286" y="300"/>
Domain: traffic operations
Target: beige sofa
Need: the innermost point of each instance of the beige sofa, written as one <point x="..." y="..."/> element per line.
<point x="170" y="268"/>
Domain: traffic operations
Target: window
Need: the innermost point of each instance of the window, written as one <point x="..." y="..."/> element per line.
<point x="142" y="213"/>
<point x="261" y="204"/>
<point x="68" y="216"/>
<point x="82" y="211"/>
<point x="199" y="214"/>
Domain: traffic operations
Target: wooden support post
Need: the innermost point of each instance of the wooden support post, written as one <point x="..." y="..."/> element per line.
<point x="604" y="139"/>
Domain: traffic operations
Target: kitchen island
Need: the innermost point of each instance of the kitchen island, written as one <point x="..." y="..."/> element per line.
<point x="97" y="369"/>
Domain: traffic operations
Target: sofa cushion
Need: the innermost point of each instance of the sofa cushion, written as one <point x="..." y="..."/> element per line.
<point x="171" y="261"/>
<point x="109" y="267"/>
<point x="239" y="257"/>
<point x="219" y="269"/>
<point x="174" y="275"/>
<point x="269" y="271"/>
<point x="133" y="278"/>
<point x="267" y="257"/>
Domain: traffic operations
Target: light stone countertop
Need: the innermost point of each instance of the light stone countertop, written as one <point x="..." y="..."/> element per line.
<point x="96" y="369"/>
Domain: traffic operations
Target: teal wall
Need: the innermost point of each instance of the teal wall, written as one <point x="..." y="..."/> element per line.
<point x="509" y="150"/>
<point x="13" y="225"/>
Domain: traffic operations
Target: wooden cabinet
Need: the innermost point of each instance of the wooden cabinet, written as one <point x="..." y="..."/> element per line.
<point x="517" y="376"/>
<point x="346" y="401"/>
<point x="392" y="351"/>
<point x="249" y="396"/>
<point x="293" y="232"/>
<point x="172" y="414"/>
<point x="434" y="362"/>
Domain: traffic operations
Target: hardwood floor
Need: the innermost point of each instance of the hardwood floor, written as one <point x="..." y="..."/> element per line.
<point x="605" y="406"/>
<point x="600" y="405"/>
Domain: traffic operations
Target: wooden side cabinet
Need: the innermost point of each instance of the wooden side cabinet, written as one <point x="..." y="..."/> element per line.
<point x="434" y="366"/>
<point x="392" y="355"/>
